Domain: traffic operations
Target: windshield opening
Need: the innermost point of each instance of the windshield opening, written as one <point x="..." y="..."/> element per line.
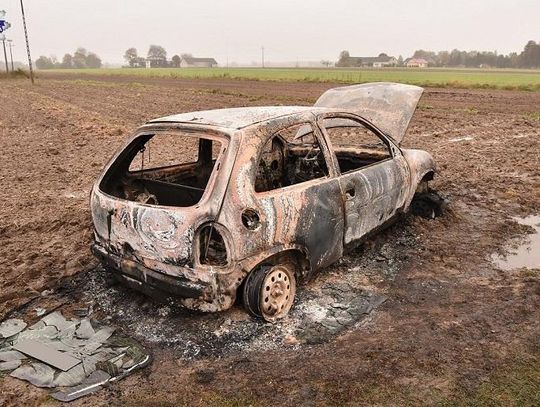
<point x="164" y="168"/>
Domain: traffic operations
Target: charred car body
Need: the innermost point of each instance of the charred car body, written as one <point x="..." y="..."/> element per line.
<point x="252" y="200"/>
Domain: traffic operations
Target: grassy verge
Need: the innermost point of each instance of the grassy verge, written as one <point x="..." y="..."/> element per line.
<point x="515" y="386"/>
<point x="528" y="80"/>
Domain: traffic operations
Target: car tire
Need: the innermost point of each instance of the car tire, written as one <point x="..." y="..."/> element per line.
<point x="428" y="205"/>
<point x="269" y="291"/>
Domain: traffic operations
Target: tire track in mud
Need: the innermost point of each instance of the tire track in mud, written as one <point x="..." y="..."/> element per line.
<point x="135" y="104"/>
<point x="44" y="210"/>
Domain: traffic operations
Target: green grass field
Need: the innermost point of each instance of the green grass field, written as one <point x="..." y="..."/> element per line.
<point x="433" y="77"/>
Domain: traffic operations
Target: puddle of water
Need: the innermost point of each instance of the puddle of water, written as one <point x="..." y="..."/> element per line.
<point x="456" y="139"/>
<point x="526" y="255"/>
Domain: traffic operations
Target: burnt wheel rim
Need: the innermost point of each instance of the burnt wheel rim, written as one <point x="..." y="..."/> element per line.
<point x="277" y="293"/>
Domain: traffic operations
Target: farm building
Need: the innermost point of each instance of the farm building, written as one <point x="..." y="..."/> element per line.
<point x="192" y="62"/>
<point x="375" y="62"/>
<point x="416" y="63"/>
<point x="155" y="62"/>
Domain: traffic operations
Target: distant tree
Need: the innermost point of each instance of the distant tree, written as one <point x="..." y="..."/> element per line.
<point x="67" y="61"/>
<point x="44" y="62"/>
<point x="131" y="56"/>
<point x="514" y="60"/>
<point x="382" y="54"/>
<point x="530" y="57"/>
<point x="79" y="58"/>
<point x="186" y="56"/>
<point x="456" y="58"/>
<point x="157" y="56"/>
<point x="502" y="61"/>
<point x="176" y="61"/>
<point x="420" y="53"/>
<point x="93" y="61"/>
<point x="326" y="63"/>
<point x="344" y="59"/>
<point x="400" y="61"/>
<point x="443" y="58"/>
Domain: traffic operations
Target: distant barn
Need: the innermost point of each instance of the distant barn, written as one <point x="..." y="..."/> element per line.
<point x="381" y="61"/>
<point x="192" y="62"/>
<point x="375" y="62"/>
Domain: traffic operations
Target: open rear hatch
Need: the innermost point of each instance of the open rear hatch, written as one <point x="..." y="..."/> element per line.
<point x="389" y="106"/>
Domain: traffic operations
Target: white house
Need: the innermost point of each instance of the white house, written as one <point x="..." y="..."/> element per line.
<point x="417" y="63"/>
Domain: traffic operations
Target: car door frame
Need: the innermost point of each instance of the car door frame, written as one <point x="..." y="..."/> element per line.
<point x="308" y="233"/>
<point x="362" y="215"/>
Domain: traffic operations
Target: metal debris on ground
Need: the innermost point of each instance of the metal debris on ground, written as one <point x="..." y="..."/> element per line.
<point x="74" y="357"/>
<point x="11" y="327"/>
<point x="40" y="351"/>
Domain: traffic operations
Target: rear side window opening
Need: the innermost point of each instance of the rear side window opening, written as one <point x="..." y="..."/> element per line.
<point x="164" y="168"/>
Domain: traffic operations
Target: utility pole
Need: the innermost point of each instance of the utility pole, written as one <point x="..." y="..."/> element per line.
<point x="10" y="42"/>
<point x="27" y="44"/>
<point x="5" y="53"/>
<point x="262" y="50"/>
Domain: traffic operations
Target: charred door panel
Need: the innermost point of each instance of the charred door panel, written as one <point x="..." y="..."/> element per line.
<point x="310" y="216"/>
<point x="372" y="196"/>
<point x="307" y="215"/>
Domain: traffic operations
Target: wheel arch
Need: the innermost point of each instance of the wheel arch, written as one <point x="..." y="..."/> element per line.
<point x="297" y="253"/>
<point x="429" y="175"/>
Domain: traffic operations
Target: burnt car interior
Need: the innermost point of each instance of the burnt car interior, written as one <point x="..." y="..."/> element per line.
<point x="291" y="156"/>
<point x="355" y="145"/>
<point x="171" y="169"/>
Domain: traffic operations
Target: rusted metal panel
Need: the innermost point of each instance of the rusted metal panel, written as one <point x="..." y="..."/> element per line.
<point x="308" y="215"/>
<point x="379" y="191"/>
<point x="389" y="106"/>
<point x="234" y="118"/>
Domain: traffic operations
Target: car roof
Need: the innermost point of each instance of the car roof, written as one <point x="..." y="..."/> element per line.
<point x="237" y="118"/>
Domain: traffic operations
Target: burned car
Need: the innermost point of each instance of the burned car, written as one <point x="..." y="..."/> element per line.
<point x="247" y="202"/>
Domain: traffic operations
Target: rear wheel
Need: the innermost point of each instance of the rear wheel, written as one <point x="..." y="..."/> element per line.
<point x="269" y="291"/>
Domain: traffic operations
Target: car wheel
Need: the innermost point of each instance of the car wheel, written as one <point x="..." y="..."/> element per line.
<point x="269" y="291"/>
<point x="428" y="205"/>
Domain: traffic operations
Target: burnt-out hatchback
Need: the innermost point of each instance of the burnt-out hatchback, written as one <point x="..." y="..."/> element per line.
<point x="247" y="202"/>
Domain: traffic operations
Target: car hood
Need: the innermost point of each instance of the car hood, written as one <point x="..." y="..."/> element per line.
<point x="389" y="106"/>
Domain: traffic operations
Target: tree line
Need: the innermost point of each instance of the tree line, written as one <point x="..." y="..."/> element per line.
<point x="81" y="58"/>
<point x="156" y="57"/>
<point x="528" y="58"/>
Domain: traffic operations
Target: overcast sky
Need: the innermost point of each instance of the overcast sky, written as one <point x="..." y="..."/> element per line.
<point x="308" y="30"/>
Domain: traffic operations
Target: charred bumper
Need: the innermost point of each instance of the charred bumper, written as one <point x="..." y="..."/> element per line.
<point x="149" y="279"/>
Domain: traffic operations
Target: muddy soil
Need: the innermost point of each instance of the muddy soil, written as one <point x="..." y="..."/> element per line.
<point x="418" y="314"/>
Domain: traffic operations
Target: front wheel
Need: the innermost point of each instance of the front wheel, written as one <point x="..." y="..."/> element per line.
<point x="269" y="291"/>
<point x="428" y="205"/>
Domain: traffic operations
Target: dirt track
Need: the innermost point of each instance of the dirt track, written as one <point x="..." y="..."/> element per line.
<point x="451" y="319"/>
